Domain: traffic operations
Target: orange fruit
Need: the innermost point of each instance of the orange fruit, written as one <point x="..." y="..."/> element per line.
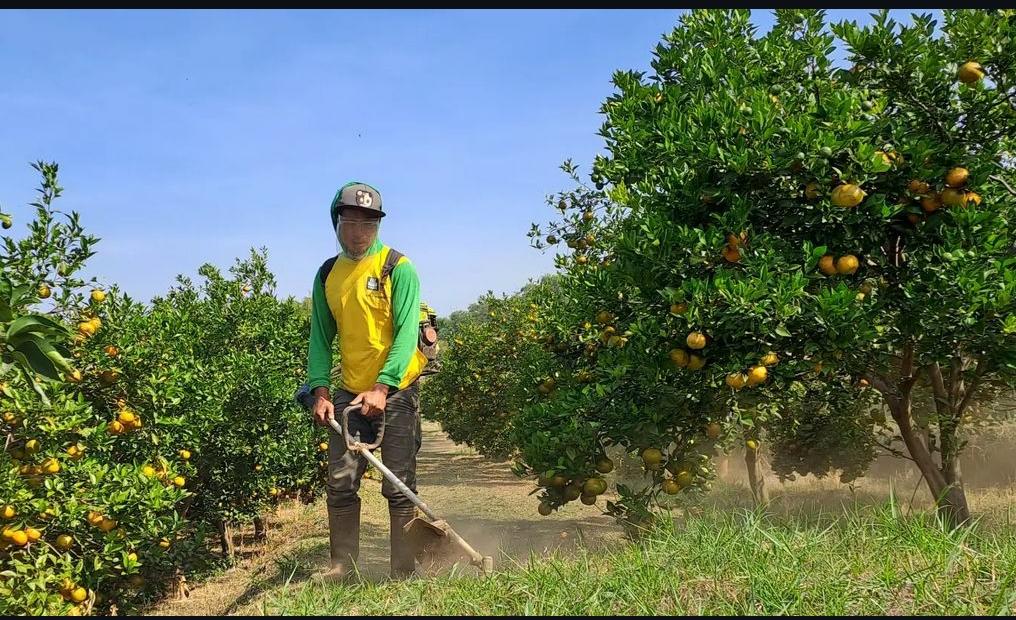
<point x="594" y="486"/>
<point x="952" y="197"/>
<point x="769" y="359"/>
<point x="752" y="444"/>
<point x="115" y="427"/>
<point x="44" y="291"/>
<point x="51" y="466"/>
<point x="847" y="265"/>
<point x="33" y="534"/>
<point x="811" y="191"/>
<point x="695" y="362"/>
<point x="604" y="465"/>
<point x="185" y="454"/>
<point x="757" y="375"/>
<point x="736" y="380"/>
<point x="918" y="187"/>
<point x="126" y="417"/>
<point x="148" y="471"/>
<point x="79" y="594"/>
<point x="827" y="265"/>
<point x="98" y="296"/>
<point x="931" y="203"/>
<point x="603" y="317"/>
<point x="696" y="340"/>
<point x="680" y="308"/>
<point x="111" y="350"/>
<point x="19" y="538"/>
<point x="652" y="458"/>
<point x="545" y="509"/>
<point x="731" y="254"/>
<point x="8" y="512"/>
<point x="671" y="487"/>
<point x="179" y="481"/>
<point x="164" y="544"/>
<point x="970" y="72"/>
<point x="107" y="525"/>
<point x="86" y="328"/>
<point x="973" y="198"/>
<point x="847" y="195"/>
<point x="679" y="357"/>
<point x="64" y="542"/>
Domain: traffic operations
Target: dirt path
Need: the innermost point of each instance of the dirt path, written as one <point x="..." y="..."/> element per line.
<point x="482" y="499"/>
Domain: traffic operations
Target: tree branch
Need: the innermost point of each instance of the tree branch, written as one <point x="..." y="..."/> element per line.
<point x="995" y="177"/>
<point x="969" y="394"/>
<point x="941" y="397"/>
<point x="893" y="451"/>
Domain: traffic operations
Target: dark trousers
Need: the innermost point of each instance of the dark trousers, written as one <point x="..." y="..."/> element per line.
<point x="399" y="446"/>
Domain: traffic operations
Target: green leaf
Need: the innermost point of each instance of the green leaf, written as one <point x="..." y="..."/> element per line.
<point x="36" y="359"/>
<point x="782" y="331"/>
<point x="33" y="323"/>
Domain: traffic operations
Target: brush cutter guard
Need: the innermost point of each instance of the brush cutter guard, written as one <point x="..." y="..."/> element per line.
<point x="428" y="539"/>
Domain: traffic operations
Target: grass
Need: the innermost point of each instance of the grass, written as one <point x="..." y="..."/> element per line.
<point x="864" y="561"/>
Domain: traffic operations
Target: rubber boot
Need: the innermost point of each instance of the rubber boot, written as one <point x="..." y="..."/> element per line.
<point x="403" y="562"/>
<point x="343" y="542"/>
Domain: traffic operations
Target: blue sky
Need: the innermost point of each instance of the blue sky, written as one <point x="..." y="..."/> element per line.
<point x="186" y="137"/>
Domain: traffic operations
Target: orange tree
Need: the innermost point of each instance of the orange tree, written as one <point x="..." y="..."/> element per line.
<point x="79" y="524"/>
<point x="164" y="417"/>
<point x="210" y="370"/>
<point x="770" y="218"/>
<point x="492" y="366"/>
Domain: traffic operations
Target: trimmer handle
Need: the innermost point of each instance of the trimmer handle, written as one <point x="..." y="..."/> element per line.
<point x="343" y="429"/>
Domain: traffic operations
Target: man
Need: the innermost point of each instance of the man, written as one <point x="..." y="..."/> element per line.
<point x="376" y="317"/>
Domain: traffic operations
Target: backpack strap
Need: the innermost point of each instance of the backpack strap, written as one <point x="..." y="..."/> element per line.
<point x="325" y="269"/>
<point x="390" y="262"/>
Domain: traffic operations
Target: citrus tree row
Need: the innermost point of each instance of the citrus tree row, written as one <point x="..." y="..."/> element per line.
<point x="775" y="242"/>
<point x="140" y="428"/>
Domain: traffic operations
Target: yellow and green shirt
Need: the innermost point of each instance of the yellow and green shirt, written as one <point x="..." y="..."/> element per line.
<point x="377" y="322"/>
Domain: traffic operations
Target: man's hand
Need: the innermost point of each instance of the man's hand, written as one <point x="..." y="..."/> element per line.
<point x="372" y="402"/>
<point x="323" y="407"/>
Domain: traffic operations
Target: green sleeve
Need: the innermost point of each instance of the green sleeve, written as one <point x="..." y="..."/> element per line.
<point x="406" y="323"/>
<point x="322" y="333"/>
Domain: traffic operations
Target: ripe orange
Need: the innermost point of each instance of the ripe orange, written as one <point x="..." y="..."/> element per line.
<point x="752" y="444"/>
<point x="671" y="487"/>
<point x="918" y="187"/>
<point x="736" y="380"/>
<point x="731" y="254"/>
<point x="111" y="350"/>
<point x="44" y="291"/>
<point x="64" y="542"/>
<point x="970" y="72"/>
<point x="769" y="359"/>
<point x="757" y="375"/>
<point x="827" y="265"/>
<point x="695" y="362"/>
<point x="680" y="308"/>
<point x="696" y="340"/>
<point x="847" y="265"/>
<point x="98" y="296"/>
<point x="847" y="195"/>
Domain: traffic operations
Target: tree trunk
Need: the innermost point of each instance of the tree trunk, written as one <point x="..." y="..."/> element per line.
<point x="260" y="531"/>
<point x="756" y="475"/>
<point x="226" y="536"/>
<point x="952" y="501"/>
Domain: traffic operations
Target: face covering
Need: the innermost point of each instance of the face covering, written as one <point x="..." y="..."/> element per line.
<point x="345" y="250"/>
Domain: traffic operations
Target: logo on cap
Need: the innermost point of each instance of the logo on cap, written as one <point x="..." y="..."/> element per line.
<point x="364" y="198"/>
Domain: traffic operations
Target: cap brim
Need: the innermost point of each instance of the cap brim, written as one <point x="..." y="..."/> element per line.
<point x="374" y="212"/>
